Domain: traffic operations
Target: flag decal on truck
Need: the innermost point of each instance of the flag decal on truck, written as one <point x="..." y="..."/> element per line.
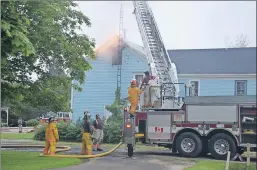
<point x="158" y="129"/>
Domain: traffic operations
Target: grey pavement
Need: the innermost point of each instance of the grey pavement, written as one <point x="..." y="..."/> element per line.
<point x="136" y="163"/>
<point x="140" y="161"/>
<point x="15" y="129"/>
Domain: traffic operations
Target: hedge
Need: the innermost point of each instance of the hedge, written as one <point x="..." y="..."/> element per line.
<point x="73" y="132"/>
<point x="33" y="122"/>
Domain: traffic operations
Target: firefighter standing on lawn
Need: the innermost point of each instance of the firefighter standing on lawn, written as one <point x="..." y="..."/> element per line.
<point x="98" y="133"/>
<point x="51" y="137"/>
<point x="133" y="96"/>
<point x="86" y="138"/>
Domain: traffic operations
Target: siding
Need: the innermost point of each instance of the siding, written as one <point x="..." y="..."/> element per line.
<point x="100" y="86"/>
<point x="219" y="87"/>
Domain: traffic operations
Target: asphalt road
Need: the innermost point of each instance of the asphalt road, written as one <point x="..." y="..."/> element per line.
<point x="119" y="160"/>
<point x="142" y="160"/>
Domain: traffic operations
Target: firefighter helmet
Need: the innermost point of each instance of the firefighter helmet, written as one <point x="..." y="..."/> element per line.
<point x="134" y="82"/>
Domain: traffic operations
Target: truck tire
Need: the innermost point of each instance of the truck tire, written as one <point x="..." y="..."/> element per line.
<point x="220" y="144"/>
<point x="130" y="150"/>
<point x="188" y="144"/>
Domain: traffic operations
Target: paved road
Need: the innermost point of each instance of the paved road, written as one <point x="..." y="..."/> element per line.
<point x="141" y="161"/>
<point x="15" y="129"/>
<point x="118" y="161"/>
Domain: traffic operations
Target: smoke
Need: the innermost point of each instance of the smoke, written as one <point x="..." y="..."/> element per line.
<point x="108" y="49"/>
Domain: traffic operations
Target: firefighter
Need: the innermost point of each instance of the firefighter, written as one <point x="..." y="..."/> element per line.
<point x="86" y="137"/>
<point x="98" y="133"/>
<point x="51" y="137"/>
<point x="133" y="97"/>
<point x="145" y="82"/>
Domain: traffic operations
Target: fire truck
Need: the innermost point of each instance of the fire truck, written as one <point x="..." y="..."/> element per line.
<point x="190" y="125"/>
<point x="60" y="116"/>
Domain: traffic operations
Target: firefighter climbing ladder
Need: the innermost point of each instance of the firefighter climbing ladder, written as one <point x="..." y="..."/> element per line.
<point x="159" y="61"/>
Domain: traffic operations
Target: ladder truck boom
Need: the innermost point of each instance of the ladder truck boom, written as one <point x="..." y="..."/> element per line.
<point x="157" y="56"/>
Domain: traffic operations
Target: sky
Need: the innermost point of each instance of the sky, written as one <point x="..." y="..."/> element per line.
<point x="182" y="24"/>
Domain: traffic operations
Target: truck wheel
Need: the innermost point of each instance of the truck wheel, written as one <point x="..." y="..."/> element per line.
<point x="189" y="144"/>
<point x="130" y="150"/>
<point x="220" y="144"/>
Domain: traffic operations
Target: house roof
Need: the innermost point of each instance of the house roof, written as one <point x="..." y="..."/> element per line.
<point x="215" y="61"/>
<point x="196" y="61"/>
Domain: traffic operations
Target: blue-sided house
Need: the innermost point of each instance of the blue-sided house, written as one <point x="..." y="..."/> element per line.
<point x="212" y="72"/>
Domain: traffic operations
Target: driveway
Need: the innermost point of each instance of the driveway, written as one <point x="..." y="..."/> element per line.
<point x="141" y="161"/>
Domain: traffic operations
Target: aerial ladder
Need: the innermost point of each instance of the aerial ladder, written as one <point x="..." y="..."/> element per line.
<point x="166" y="83"/>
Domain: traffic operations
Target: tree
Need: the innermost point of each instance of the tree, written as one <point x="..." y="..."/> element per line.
<point x="113" y="130"/>
<point x="37" y="37"/>
<point x="241" y="42"/>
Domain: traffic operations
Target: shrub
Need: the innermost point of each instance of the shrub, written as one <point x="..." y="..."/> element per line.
<point x="113" y="131"/>
<point x="67" y="132"/>
<point x="32" y="122"/>
<point x="113" y="127"/>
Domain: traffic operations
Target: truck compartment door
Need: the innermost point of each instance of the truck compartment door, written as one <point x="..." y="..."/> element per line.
<point x="158" y="126"/>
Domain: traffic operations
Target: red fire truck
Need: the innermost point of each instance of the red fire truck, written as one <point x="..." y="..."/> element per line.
<point x="60" y="116"/>
<point x="195" y="126"/>
<point x="205" y="124"/>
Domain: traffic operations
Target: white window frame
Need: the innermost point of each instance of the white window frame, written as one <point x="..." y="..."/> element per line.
<point x="245" y="88"/>
<point x="138" y="74"/>
<point x="198" y="86"/>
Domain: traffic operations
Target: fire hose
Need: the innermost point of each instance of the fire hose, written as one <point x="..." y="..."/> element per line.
<point x="83" y="156"/>
<point x="87" y="156"/>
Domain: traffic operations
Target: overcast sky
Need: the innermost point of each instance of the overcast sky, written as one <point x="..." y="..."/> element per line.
<point x="183" y="25"/>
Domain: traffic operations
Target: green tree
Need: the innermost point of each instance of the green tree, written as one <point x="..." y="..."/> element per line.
<point x="41" y="38"/>
<point x="113" y="128"/>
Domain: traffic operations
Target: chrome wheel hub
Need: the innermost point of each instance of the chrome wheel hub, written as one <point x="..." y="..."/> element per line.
<point x="188" y="145"/>
<point x="221" y="146"/>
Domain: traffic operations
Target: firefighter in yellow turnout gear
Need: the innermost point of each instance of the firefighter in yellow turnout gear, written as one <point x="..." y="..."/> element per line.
<point x="51" y="137"/>
<point x="86" y="138"/>
<point x="133" y="96"/>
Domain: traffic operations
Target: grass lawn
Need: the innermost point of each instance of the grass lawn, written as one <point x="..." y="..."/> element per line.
<point x="17" y="135"/>
<point x="12" y="160"/>
<point x="219" y="165"/>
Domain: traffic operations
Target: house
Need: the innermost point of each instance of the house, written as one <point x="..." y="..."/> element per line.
<point x="210" y="71"/>
<point x="217" y="71"/>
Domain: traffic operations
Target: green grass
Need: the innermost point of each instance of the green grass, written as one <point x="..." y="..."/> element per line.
<point x="219" y="165"/>
<point x="17" y="135"/>
<point x="12" y="160"/>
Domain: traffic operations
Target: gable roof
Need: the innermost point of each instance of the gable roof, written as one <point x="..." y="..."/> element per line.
<point x="215" y="61"/>
<point x="195" y="61"/>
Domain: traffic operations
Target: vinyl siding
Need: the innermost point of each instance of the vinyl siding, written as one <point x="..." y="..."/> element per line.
<point x="220" y="87"/>
<point x="100" y="86"/>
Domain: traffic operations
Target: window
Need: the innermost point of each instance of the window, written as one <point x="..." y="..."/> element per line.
<point x="66" y="115"/>
<point x="240" y="87"/>
<point x="139" y="78"/>
<point x="194" y="90"/>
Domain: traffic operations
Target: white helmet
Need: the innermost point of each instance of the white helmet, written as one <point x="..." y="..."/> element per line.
<point x="87" y="114"/>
